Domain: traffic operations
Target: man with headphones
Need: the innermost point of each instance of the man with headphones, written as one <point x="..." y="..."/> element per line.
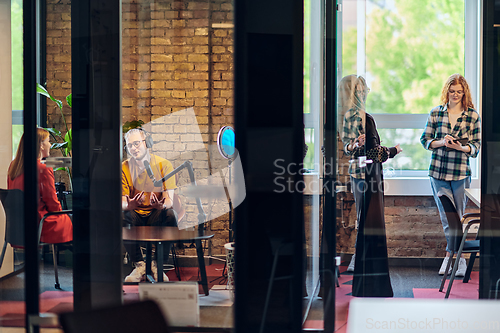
<point x="142" y="202"/>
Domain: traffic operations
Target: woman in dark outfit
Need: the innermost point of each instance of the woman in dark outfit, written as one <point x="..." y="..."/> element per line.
<point x="371" y="270"/>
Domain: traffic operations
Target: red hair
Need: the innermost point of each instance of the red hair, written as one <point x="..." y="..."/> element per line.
<point x="453" y="80"/>
<point x="17" y="166"/>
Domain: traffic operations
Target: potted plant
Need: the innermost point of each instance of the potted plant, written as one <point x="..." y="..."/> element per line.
<point x="61" y="142"/>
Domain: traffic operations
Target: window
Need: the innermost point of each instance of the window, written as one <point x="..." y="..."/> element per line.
<point x="17" y="72"/>
<point x="406" y="50"/>
<point x="313" y="58"/>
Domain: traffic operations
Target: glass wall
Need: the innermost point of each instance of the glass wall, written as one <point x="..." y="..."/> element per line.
<point x="177" y="70"/>
<point x="160" y="119"/>
<point x="393" y="54"/>
<point x="177" y="86"/>
<point x="11" y="259"/>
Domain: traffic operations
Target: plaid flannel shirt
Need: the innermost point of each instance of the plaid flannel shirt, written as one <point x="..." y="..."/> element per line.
<point x="453" y="164"/>
<point x="353" y="128"/>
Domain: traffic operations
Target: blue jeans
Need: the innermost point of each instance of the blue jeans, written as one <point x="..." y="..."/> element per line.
<point x="455" y="190"/>
<point x="359" y="188"/>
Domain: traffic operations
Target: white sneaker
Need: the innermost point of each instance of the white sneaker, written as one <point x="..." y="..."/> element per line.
<point x="462" y="267"/>
<point x="155" y="272"/>
<point x="443" y="266"/>
<point x="138" y="273"/>
<point x="351" y="264"/>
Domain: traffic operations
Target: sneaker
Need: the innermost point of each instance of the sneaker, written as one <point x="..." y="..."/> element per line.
<point x="462" y="267"/>
<point x="351" y="264"/>
<point x="443" y="266"/>
<point x="138" y="273"/>
<point x="155" y="272"/>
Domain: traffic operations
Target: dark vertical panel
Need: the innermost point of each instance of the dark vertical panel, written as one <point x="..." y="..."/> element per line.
<point x="269" y="135"/>
<point x="328" y="246"/>
<point x="489" y="269"/>
<point x="42" y="59"/>
<point x="96" y="82"/>
<point x="32" y="285"/>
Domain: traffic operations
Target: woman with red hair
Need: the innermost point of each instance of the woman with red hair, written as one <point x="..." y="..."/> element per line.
<point x="56" y="228"/>
<point x="453" y="134"/>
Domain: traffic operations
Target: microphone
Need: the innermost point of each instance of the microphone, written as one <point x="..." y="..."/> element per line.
<point x="149" y="171"/>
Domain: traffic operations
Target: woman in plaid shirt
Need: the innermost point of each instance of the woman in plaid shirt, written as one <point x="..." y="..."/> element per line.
<point x="449" y="169"/>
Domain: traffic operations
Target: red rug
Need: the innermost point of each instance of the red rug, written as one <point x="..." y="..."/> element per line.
<point x="459" y="290"/>
<point x="343" y="296"/>
<point x="342" y="299"/>
<point x="12" y="313"/>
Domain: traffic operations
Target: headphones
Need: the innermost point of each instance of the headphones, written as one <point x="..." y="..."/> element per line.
<point x="147" y="137"/>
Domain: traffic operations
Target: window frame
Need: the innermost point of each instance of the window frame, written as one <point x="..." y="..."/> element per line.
<point x="409" y="184"/>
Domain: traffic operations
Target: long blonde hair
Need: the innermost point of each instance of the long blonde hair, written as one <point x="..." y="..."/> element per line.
<point x="350" y="95"/>
<point x="346" y="88"/>
<point x="453" y="80"/>
<point x="17" y="166"/>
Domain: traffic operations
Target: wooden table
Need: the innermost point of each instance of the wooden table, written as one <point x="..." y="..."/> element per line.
<point x="474" y="194"/>
<point x="158" y="235"/>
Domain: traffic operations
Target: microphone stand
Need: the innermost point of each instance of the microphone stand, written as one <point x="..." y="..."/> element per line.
<point x="201" y="219"/>
<point x="189" y="166"/>
<point x="231" y="232"/>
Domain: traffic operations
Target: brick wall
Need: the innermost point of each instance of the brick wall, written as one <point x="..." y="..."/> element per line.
<point x="58" y="60"/>
<point x="176" y="55"/>
<point x="413" y="227"/>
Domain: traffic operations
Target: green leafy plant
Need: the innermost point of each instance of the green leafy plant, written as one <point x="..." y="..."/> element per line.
<point x="63" y="142"/>
<point x="127" y="126"/>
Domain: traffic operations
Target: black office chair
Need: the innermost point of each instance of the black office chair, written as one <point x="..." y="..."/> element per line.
<point x="457" y="239"/>
<point x="135" y="317"/>
<point x="13" y="204"/>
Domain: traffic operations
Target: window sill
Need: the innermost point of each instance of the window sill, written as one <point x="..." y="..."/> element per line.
<point x="394" y="186"/>
<point x="407" y="186"/>
<point x="413" y="186"/>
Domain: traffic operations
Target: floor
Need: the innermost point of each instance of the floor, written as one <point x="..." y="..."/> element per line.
<point x="215" y="309"/>
<point x="420" y="280"/>
<point x="405" y="281"/>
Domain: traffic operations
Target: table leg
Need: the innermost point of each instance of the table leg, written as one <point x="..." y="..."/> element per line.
<point x="201" y="265"/>
<point x="159" y="261"/>
<point x="149" y="274"/>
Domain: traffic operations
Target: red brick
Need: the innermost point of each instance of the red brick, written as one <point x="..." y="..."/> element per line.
<point x="180" y="76"/>
<point x="158" y="67"/>
<point x="186" y="15"/>
<point x="227" y="6"/>
<point x="397" y="211"/>
<point x="161" y="57"/>
<point x="197" y="58"/>
<point x="197" y="5"/>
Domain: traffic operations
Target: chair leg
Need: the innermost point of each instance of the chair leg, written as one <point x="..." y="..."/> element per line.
<point x="452" y="278"/>
<point x="455" y="267"/>
<point x="54" y="256"/>
<point x="446" y="271"/>
<point x="149" y="257"/>
<point x="176" y="263"/>
<point x="469" y="267"/>
<point x="337" y="274"/>
<point x="269" y="289"/>
<point x="3" y="253"/>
